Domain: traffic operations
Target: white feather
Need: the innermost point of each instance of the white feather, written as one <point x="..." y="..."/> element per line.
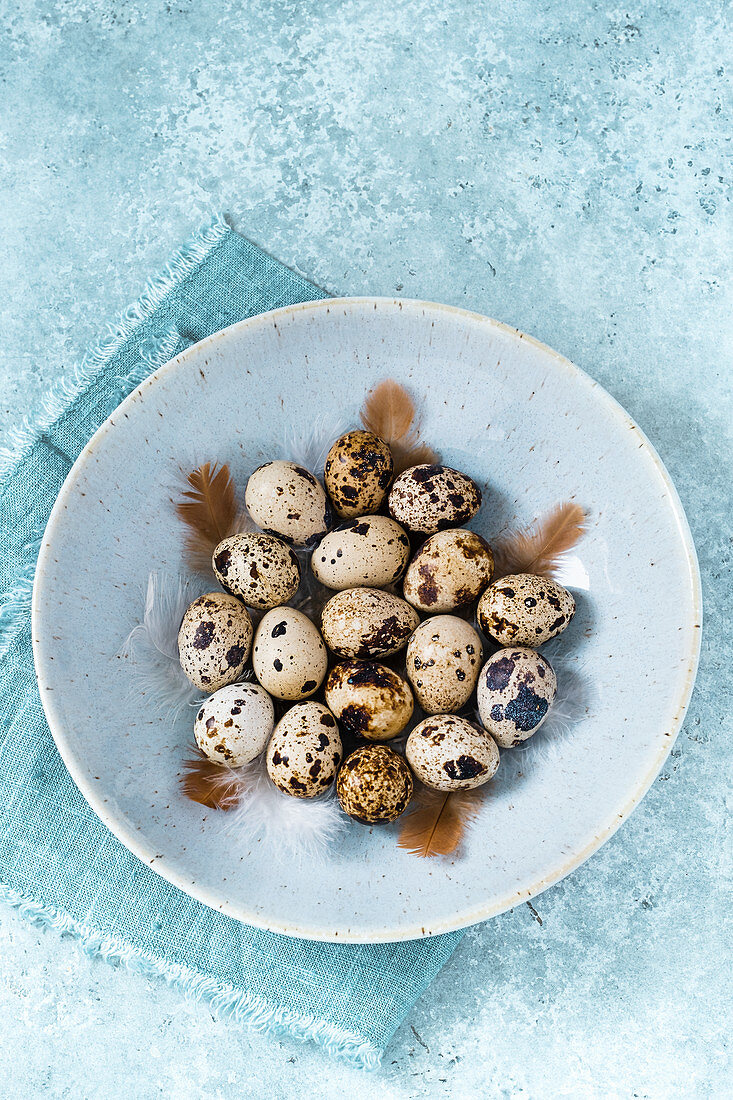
<point x="310" y="448"/>
<point x="151" y="647"/>
<point x="291" y="828"/>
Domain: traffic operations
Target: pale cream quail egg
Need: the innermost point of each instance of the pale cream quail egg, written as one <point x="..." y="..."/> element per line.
<point x="430" y="498"/>
<point x="214" y="641"/>
<point x="234" y="724"/>
<point x="369" y="699"/>
<point x="447" y="753"/>
<point x="258" y="568"/>
<point x="450" y="569"/>
<point x="287" y="500"/>
<point x="367" y="622"/>
<point x="371" y="551"/>
<point x="374" y="785"/>
<point x="358" y="472"/>
<point x="524" y="609"/>
<point x="516" y="688"/>
<point x="443" y="662"/>
<point x="304" y="751"/>
<point x="289" y="657"/>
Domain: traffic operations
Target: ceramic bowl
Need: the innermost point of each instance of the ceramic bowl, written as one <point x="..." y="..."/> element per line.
<point x="533" y="430"/>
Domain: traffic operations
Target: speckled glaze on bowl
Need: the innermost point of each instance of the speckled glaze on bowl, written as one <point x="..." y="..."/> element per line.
<point x="532" y="430"/>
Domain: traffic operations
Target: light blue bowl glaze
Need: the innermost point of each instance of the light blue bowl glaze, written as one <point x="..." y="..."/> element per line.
<point x="533" y="430"/>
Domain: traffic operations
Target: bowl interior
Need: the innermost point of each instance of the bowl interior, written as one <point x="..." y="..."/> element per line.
<point x="533" y="431"/>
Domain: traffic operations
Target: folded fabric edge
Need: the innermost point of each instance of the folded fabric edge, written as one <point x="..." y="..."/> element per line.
<point x="20" y="439"/>
<point x="225" y="1001"/>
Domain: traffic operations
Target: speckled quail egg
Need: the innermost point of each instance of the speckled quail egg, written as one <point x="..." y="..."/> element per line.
<point x="214" y="641"/>
<point x="367" y="622"/>
<point x="286" y="500"/>
<point x="357" y="474"/>
<point x="369" y="699"/>
<point x="234" y="724"/>
<point x="258" y="568"/>
<point x="289" y="657"/>
<point x="430" y="498"/>
<point x="370" y="551"/>
<point x="443" y="662"/>
<point x="516" y="688"/>
<point x="524" y="609"/>
<point x="374" y="784"/>
<point x="449" y="754"/>
<point x="304" y="751"/>
<point x="450" y="569"/>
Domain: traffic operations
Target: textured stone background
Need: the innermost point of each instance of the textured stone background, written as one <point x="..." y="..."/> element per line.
<point x="560" y="166"/>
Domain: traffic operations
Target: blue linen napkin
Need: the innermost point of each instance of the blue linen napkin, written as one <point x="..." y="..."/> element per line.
<point x="58" y="864"/>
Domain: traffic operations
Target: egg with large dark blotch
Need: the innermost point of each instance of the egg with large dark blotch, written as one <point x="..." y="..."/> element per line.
<point x="447" y="753"/>
<point x="516" y="689"/>
<point x="369" y="699"/>
<point x="367" y="622"/>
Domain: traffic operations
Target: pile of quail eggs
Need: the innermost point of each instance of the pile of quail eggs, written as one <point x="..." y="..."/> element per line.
<point x="395" y="649"/>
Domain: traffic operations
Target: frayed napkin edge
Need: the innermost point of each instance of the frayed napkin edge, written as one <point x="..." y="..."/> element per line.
<point x="226" y="1002"/>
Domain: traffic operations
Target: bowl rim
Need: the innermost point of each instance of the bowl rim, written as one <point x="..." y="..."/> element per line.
<point x="143" y="851"/>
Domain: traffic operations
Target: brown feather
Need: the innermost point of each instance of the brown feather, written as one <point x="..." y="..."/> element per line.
<point x="209" y="510"/>
<point x="210" y="784"/>
<point x="539" y="548"/>
<point x="389" y="412"/>
<point x="438" y="821"/>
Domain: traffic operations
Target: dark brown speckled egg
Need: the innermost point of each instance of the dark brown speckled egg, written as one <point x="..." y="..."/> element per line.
<point x="358" y="473"/>
<point x="430" y="498"/>
<point x="374" y="785"/>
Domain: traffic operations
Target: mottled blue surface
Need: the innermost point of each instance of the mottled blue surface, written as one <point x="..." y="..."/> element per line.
<point x="563" y="167"/>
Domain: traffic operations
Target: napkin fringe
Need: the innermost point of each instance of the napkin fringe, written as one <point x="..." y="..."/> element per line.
<point x="22" y="437"/>
<point x="226" y="1002"/>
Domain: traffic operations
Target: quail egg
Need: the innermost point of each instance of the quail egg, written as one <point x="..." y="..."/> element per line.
<point x="516" y="688"/>
<point x="287" y="500"/>
<point x="369" y="699"/>
<point x="304" y="751"/>
<point x="289" y="657"/>
<point x="449" y="754"/>
<point x="357" y="473"/>
<point x="430" y="498"/>
<point x="214" y="641"/>
<point x="367" y="622"/>
<point x="260" y="569"/>
<point x="370" y="551"/>
<point x="234" y="724"/>
<point x="443" y="662"/>
<point x="524" y="609"/>
<point x="450" y="569"/>
<point x="374" y="784"/>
